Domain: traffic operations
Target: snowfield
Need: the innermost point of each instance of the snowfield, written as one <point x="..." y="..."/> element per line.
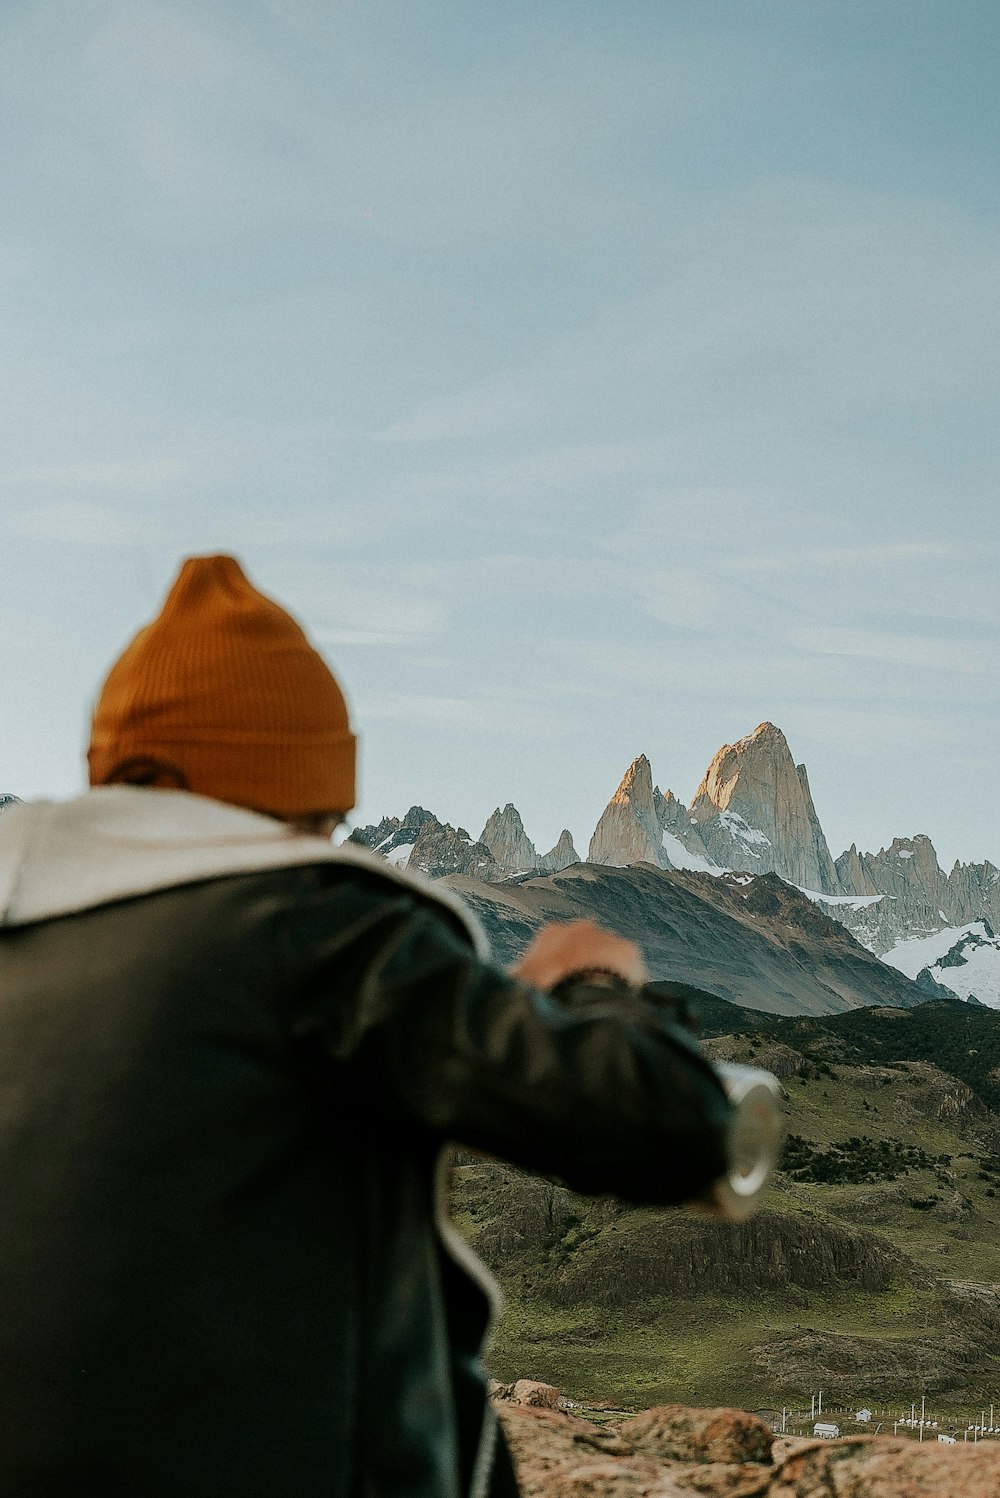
<point x="854" y="902"/>
<point x="965" y="959"/>
<point x="681" y="858"/>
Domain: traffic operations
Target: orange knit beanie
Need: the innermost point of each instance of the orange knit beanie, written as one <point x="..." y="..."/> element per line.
<point x="224" y="688"/>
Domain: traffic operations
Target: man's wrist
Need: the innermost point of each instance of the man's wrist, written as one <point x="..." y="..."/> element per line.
<point x="593" y="977"/>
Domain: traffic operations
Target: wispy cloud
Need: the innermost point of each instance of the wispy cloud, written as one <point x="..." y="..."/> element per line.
<point x="129" y="476"/>
<point x="844" y="557"/>
<point x="503" y="715"/>
<point x="366" y="616"/>
<point x="76" y="523"/>
<point x="923" y="651"/>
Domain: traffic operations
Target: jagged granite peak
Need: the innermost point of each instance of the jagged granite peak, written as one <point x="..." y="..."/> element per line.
<point x="394" y="838"/>
<point x="909" y="866"/>
<point x="853" y="873"/>
<point x="562" y="856"/>
<point x="974" y="893"/>
<point x="420" y="841"/>
<point x="508" y="842"/>
<point x="441" y="849"/>
<point x="755" y="813"/>
<point x="917" y="897"/>
<point x="680" y="837"/>
<point x="629" y="829"/>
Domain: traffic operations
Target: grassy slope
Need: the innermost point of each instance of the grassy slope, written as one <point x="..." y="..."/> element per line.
<point x="771" y="1347"/>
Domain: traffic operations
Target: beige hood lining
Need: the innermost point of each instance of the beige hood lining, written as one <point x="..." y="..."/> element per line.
<point x="117" y="842"/>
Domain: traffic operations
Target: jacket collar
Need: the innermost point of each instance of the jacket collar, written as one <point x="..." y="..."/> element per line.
<point x="118" y="842"/>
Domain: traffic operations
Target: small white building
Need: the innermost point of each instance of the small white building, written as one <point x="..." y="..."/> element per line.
<point x="947" y="1440"/>
<point x="863" y="1415"/>
<point x="826" y="1431"/>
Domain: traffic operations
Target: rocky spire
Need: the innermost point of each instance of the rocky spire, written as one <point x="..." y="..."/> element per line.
<point x="974" y="893"/>
<point x="561" y="856"/>
<point x="854" y="874"/>
<point x="755" y="812"/>
<point x="508" y="842"/>
<point x="629" y="829"/>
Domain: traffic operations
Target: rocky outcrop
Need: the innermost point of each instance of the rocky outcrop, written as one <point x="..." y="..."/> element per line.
<point x="672" y="1451"/>
<point x="755" y="812"/>
<point x="8" y="800"/>
<point x="680" y="1255"/>
<point x="562" y="856"/>
<point x="512" y="849"/>
<point x="528" y="1392"/>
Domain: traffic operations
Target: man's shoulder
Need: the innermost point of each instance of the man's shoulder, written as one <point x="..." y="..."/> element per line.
<point x="352" y="857"/>
<point x="121" y="843"/>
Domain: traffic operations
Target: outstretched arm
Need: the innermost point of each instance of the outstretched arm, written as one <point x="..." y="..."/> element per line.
<point x="598" y="1087"/>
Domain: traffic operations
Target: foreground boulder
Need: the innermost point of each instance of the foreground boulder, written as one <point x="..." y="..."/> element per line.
<point x="675" y="1452"/>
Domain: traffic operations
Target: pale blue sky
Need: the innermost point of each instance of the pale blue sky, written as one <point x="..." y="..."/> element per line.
<point x="592" y="380"/>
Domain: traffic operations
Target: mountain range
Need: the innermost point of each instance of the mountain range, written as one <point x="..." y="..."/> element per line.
<point x="751" y="815"/>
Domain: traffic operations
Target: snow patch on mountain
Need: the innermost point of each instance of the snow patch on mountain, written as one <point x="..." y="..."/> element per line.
<point x="739" y="827"/>
<point x="849" y="902"/>
<point x="911" y="957"/>
<point x="965" y="959"/>
<point x="682" y="858"/>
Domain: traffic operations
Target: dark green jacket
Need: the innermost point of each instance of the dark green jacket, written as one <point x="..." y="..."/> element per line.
<point x="224" y="1268"/>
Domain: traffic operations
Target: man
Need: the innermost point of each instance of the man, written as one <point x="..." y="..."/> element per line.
<point x="230" y="1059"/>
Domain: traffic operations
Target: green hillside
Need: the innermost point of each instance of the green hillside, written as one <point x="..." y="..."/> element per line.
<point x="872" y="1273"/>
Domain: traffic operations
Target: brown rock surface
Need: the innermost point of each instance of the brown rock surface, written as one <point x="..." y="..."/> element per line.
<point x="674" y="1432"/>
<point x="529" y="1393"/>
<point x="674" y="1452"/>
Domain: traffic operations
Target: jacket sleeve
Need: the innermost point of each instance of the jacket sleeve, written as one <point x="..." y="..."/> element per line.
<point x="599" y="1088"/>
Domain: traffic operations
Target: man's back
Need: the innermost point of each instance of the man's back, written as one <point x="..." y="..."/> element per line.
<point x="190" y="1191"/>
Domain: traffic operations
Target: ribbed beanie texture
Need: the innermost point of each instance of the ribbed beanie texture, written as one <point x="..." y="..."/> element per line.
<point x="225" y="687"/>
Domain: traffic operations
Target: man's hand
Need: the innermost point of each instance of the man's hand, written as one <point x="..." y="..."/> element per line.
<point x="562" y="948"/>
